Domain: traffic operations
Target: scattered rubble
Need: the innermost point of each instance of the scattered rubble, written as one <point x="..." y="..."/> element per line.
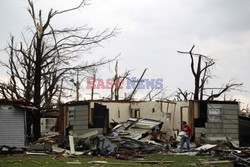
<point x="137" y="128"/>
<point x="44" y="147"/>
<point x="103" y="146"/>
<point x="51" y="139"/>
<point x="133" y="138"/>
<point x="11" y="150"/>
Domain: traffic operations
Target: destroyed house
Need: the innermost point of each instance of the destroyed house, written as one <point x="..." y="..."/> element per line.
<point x="218" y="120"/>
<point x="121" y="111"/>
<point x="84" y="116"/>
<point x="13" y="122"/>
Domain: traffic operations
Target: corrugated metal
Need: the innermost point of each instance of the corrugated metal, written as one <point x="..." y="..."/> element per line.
<point x="12" y="126"/>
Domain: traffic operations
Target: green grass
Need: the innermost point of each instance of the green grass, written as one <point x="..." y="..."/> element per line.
<point x="44" y="161"/>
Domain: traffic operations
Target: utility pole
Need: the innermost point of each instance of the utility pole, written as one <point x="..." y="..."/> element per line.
<point x="132" y="94"/>
<point x="116" y="82"/>
<point x="60" y="93"/>
<point x="93" y="87"/>
<point x="77" y="85"/>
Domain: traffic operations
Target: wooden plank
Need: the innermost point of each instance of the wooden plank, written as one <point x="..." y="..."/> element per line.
<point x="71" y="144"/>
<point x="216" y="162"/>
<point x="111" y="163"/>
<point x="153" y="162"/>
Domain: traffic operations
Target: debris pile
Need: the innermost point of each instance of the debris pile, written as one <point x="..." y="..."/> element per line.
<point x="130" y="138"/>
<point x="137" y="128"/>
<point x="226" y="152"/>
<point x="133" y="138"/>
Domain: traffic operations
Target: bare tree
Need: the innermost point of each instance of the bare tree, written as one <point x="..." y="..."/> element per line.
<point x="225" y="88"/>
<point x="183" y="96"/>
<point x="201" y="73"/>
<point x="37" y="65"/>
<point x="117" y="82"/>
<point x="154" y="94"/>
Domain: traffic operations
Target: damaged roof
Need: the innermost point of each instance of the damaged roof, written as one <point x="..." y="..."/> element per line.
<point x="17" y="103"/>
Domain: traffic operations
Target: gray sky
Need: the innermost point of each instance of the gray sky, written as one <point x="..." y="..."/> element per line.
<point x="152" y="32"/>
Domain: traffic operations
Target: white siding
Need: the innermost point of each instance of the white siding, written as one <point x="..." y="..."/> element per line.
<point x="12" y="123"/>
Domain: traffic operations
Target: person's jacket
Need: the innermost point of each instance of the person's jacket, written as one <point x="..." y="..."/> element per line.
<point x="188" y="130"/>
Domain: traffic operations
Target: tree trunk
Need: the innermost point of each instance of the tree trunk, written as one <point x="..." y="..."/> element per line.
<point x="37" y="90"/>
<point x="197" y="80"/>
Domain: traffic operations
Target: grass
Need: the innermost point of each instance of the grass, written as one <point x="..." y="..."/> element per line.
<point x="48" y="161"/>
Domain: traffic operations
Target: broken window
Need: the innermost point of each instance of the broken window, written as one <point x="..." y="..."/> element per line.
<point x="135" y="113"/>
<point x="214" y="113"/>
<point x="71" y="113"/>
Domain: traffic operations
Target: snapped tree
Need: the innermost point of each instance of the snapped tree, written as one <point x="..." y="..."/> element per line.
<point x="37" y="65"/>
<point x="117" y="82"/>
<point x="201" y="72"/>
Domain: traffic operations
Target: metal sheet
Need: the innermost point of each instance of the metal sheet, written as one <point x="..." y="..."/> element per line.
<point x="12" y="131"/>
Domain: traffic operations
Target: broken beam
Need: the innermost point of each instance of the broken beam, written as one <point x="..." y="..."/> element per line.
<point x="216" y="162"/>
<point x="153" y="162"/>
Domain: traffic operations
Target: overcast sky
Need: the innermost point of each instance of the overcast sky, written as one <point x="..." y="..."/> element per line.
<point x="151" y="33"/>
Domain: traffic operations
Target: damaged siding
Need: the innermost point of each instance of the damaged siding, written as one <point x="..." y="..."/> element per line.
<point x="12" y="123"/>
<point x="220" y="121"/>
<point x="226" y="125"/>
<point x="78" y="118"/>
<point x="231" y="121"/>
